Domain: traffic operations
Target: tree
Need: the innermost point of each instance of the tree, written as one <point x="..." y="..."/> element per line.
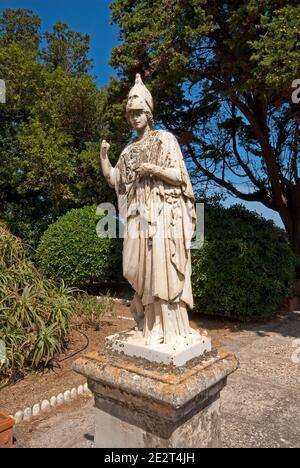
<point x="221" y="72"/>
<point x="49" y="141"/>
<point x="21" y="27"/>
<point x="67" y="49"/>
<point x="23" y="90"/>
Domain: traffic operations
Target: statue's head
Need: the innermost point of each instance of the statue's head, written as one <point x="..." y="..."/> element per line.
<point x="139" y="109"/>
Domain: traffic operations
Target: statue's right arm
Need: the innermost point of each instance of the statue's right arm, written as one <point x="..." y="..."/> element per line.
<point x="107" y="169"/>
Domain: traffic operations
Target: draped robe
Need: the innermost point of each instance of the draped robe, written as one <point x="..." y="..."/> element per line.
<point x="159" y="222"/>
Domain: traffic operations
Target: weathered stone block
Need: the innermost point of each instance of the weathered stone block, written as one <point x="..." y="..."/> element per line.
<point x="141" y="404"/>
<point x="131" y="343"/>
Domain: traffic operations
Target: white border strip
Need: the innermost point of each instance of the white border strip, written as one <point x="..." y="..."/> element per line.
<point x="47" y="405"/>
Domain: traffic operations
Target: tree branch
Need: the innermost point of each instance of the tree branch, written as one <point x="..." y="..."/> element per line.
<point x="259" y="196"/>
<point x="270" y="160"/>
<point x="240" y="160"/>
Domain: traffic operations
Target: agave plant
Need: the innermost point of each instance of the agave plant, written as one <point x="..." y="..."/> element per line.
<point x="35" y="314"/>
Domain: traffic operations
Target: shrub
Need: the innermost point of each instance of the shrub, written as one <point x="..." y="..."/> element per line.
<point x="35" y="314"/>
<point x="71" y="250"/>
<point x="246" y="269"/>
<point x="90" y="309"/>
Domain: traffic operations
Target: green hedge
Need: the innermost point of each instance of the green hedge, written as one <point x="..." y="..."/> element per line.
<point x="71" y="250"/>
<point x="246" y="269"/>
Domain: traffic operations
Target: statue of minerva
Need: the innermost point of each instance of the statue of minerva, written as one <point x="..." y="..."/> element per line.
<point x="156" y="202"/>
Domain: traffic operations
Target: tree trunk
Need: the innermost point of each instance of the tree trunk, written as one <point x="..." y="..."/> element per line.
<point x="296" y="248"/>
<point x="294" y="228"/>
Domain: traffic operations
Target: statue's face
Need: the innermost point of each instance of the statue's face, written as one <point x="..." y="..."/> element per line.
<point x="138" y="119"/>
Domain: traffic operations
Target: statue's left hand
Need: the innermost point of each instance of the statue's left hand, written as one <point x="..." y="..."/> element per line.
<point x="145" y="169"/>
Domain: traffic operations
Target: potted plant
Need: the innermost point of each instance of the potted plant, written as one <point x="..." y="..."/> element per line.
<point x="6" y="431"/>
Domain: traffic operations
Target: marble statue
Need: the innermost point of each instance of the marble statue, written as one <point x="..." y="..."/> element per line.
<point x="156" y="202"/>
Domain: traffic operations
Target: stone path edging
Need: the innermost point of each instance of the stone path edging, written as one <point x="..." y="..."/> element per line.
<point x="46" y="406"/>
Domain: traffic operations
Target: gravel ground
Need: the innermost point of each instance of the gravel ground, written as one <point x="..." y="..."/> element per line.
<point x="261" y="403"/>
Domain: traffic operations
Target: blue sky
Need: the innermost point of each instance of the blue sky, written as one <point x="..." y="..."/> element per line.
<point x="86" y="16"/>
<point x="93" y="17"/>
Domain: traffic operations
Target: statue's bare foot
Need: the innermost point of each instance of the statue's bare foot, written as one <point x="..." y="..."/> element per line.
<point x="154" y="338"/>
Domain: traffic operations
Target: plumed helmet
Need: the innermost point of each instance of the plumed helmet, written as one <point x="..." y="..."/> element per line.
<point x="139" y="97"/>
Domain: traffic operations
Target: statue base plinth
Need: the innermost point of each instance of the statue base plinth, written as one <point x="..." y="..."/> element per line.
<point x="132" y="343"/>
<point x="146" y="405"/>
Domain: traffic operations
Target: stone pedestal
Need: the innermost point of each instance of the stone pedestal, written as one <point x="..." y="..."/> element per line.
<point x="131" y="343"/>
<point x="139" y="404"/>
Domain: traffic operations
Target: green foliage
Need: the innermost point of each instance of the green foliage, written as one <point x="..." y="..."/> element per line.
<point x="279" y="65"/>
<point x="246" y="269"/>
<point x="71" y="250"/>
<point x="35" y="314"/>
<point x="50" y="130"/>
<point x="184" y="44"/>
<point x="48" y="164"/>
<point x="67" y="49"/>
<point x="21" y="27"/>
<point x="90" y="309"/>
